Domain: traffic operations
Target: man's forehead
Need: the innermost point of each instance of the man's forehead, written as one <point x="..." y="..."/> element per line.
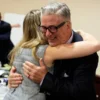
<point x="51" y="19"/>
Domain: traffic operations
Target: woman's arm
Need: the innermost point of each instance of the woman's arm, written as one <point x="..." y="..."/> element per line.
<point x="72" y="50"/>
<point x="87" y="37"/>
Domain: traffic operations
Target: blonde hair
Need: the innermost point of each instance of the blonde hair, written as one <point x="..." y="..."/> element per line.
<point x="32" y="37"/>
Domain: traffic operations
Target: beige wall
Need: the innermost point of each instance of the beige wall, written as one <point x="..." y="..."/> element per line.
<point x="85" y="13"/>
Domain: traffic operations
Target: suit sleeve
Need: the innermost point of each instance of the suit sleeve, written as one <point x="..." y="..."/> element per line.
<point x="79" y="87"/>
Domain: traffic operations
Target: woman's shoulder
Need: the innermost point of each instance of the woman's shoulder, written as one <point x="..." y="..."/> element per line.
<point x="42" y="47"/>
<point x="24" y="51"/>
<point x="41" y="50"/>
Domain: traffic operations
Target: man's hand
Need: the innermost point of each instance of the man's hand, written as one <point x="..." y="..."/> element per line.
<point x="14" y="78"/>
<point x="35" y="73"/>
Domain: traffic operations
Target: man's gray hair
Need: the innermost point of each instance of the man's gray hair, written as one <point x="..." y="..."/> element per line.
<point x="56" y="8"/>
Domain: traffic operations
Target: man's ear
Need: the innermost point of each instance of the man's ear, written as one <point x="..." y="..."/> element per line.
<point x="69" y="25"/>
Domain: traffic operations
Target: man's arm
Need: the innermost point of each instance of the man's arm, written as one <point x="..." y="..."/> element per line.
<point x="80" y="88"/>
<point x="15" y="25"/>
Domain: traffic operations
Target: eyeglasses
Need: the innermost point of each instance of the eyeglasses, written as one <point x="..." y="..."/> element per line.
<point x="51" y="28"/>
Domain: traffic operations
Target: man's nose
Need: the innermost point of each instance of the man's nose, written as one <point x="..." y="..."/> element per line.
<point x="48" y="33"/>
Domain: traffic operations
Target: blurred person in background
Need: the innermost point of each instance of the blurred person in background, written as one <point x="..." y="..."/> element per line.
<point x="5" y="42"/>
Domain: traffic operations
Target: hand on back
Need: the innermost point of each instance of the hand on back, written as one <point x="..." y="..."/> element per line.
<point x="14" y="78"/>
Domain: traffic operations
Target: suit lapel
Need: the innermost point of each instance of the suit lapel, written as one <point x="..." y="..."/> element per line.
<point x="61" y="65"/>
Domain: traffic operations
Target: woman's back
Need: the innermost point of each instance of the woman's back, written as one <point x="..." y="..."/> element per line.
<point x="28" y="90"/>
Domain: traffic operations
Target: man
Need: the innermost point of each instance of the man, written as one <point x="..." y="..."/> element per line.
<point x="71" y="79"/>
<point x="5" y="43"/>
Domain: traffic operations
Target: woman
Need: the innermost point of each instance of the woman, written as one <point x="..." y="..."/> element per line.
<point x="33" y="46"/>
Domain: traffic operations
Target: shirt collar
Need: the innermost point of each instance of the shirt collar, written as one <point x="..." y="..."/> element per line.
<point x="70" y="39"/>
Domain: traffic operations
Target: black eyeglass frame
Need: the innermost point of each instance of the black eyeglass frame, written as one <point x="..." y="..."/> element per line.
<point x="51" y="28"/>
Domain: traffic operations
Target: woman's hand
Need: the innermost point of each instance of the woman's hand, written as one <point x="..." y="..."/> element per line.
<point x="14" y="78"/>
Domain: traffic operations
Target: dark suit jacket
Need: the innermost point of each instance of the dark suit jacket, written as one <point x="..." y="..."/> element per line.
<point x="73" y="79"/>
<point x="5" y="30"/>
<point x="5" y="43"/>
